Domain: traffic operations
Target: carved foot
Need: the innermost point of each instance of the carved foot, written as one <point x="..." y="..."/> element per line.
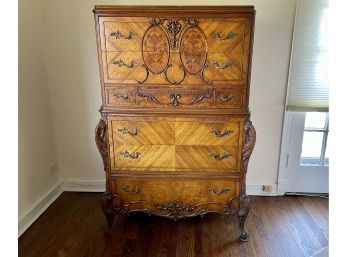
<point x="244" y="237"/>
<point x="244" y="206"/>
<point x="108" y="211"/>
<point x="243" y="234"/>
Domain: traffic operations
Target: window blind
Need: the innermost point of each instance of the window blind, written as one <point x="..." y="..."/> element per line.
<point x="308" y="83"/>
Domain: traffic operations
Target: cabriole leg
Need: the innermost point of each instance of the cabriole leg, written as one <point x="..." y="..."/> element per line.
<point x="244" y="206"/>
<point x="108" y="210"/>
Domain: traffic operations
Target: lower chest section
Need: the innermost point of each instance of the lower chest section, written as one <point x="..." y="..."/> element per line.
<point x="187" y="165"/>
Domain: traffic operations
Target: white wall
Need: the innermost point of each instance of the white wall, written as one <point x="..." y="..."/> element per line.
<point x="71" y="58"/>
<point x="37" y="147"/>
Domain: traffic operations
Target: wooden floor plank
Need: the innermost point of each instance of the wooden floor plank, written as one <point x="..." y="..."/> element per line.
<point x="278" y="226"/>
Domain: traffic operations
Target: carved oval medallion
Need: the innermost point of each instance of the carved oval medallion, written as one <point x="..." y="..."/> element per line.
<point x="193" y="50"/>
<point x="155" y="49"/>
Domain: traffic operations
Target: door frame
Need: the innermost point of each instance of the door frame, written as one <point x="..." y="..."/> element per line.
<point x="284" y="153"/>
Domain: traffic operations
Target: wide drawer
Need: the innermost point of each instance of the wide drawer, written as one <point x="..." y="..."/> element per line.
<point x="144" y="157"/>
<point x="123" y="67"/>
<point x="204" y="158"/>
<point x="208" y="132"/>
<point x="122" y="34"/>
<point x="186" y="191"/>
<point x="224" y="67"/>
<point x="150" y="132"/>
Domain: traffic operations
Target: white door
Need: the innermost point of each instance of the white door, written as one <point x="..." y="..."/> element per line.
<point x="305" y="153"/>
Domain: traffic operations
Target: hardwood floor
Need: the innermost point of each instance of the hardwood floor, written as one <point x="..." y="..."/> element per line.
<point x="278" y="226"/>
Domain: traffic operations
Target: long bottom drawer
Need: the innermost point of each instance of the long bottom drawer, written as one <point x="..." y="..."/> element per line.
<point x="186" y="191"/>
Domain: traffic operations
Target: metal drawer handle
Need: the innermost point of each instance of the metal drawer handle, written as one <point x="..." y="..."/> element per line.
<point x="126" y="154"/>
<point x="217" y="192"/>
<point x="128" y="189"/>
<point x="118" y="95"/>
<point x="121" y="63"/>
<point x="126" y="131"/>
<point x="119" y="35"/>
<point x="227" y="98"/>
<point x="218" y="157"/>
<point x="217" y="132"/>
<point x="230" y="35"/>
<point x="226" y="65"/>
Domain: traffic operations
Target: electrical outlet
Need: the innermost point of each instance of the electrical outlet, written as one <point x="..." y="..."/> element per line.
<point x="267" y="188"/>
<point x="53" y="168"/>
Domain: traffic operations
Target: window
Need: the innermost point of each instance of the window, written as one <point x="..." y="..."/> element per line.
<point x="315" y="140"/>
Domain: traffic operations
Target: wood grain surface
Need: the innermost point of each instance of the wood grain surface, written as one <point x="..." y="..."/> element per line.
<point x="279" y="227"/>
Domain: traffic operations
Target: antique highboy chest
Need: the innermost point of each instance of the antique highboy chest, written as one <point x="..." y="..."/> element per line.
<point x="175" y="135"/>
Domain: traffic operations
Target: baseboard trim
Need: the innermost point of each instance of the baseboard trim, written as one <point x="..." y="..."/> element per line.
<point x="257" y="189"/>
<point x="41" y="205"/>
<point x="83" y="186"/>
<point x="98" y="186"/>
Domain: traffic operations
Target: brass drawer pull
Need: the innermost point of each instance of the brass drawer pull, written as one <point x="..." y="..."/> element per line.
<point x="121" y="63"/>
<point x="218" y="157"/>
<point x="230" y="35"/>
<point x="226" y="65"/>
<point x="128" y="189"/>
<point x="126" y="131"/>
<point x="217" y="192"/>
<point x="119" y="35"/>
<point x="126" y="154"/>
<point x="217" y="132"/>
<point x="123" y="96"/>
<point x="227" y="98"/>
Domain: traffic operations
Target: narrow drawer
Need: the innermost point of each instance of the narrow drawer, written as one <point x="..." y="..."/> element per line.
<point x="120" y="96"/>
<point x="209" y="133"/>
<point x="205" y="158"/>
<point x="230" y="98"/>
<point x="127" y="132"/>
<point x="144" y="157"/>
<point x="186" y="191"/>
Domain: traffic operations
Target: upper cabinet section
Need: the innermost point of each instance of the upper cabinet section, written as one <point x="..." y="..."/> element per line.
<point x="161" y="46"/>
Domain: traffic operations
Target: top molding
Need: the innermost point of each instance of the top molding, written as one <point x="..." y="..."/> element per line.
<point x="174" y="11"/>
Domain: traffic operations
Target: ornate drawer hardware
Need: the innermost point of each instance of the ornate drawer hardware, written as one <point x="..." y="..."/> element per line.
<point x="226" y="65"/>
<point x="217" y="132"/>
<point x="217" y="192"/>
<point x="146" y="95"/>
<point x="208" y="94"/>
<point x="218" y="157"/>
<point x="126" y="154"/>
<point x="128" y="189"/>
<point x="174" y="99"/>
<point x="126" y="131"/>
<point x="230" y="35"/>
<point x="121" y="63"/>
<point x="119" y="35"/>
<point x="227" y="98"/>
<point x="123" y="96"/>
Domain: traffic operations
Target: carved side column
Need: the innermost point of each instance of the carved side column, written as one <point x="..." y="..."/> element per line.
<point x="244" y="201"/>
<point x="101" y="139"/>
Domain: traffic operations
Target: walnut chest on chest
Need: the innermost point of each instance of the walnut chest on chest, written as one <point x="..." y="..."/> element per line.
<point x="175" y="135"/>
